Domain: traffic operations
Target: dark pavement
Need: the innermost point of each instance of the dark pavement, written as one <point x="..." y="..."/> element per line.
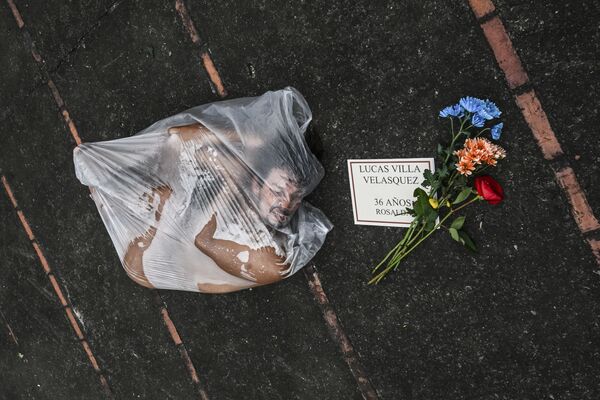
<point x="519" y="320"/>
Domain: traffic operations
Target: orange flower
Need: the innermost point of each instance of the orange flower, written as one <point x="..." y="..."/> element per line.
<point x="475" y="152"/>
<point x="465" y="166"/>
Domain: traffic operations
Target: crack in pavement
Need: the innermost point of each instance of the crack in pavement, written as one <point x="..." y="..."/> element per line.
<point x="81" y="39"/>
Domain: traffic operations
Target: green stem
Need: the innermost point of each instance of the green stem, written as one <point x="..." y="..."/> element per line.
<point x="483" y="130"/>
<point x="454" y="175"/>
<point x="408" y="237"/>
<point x="448" y="187"/>
<point x="394" y="263"/>
<point x="394" y="249"/>
<point x="454" y="137"/>
<point x="398" y="246"/>
<point x="407" y="245"/>
<point x="478" y="197"/>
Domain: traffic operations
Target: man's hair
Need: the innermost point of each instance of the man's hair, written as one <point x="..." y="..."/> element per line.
<point x="261" y="165"/>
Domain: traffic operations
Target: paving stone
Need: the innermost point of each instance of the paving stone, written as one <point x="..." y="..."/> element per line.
<point x="40" y="355"/>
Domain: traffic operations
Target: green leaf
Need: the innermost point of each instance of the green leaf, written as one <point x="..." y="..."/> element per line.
<point x="440" y="149"/>
<point x="419" y="192"/>
<point x="443" y="172"/>
<point x="454" y="234"/>
<point x="418" y="208"/>
<point x="426" y="212"/>
<point x="427" y="174"/>
<point x="462" y="195"/>
<point x="458" y="223"/>
<point x="429" y="225"/>
<point x="467" y="241"/>
<point x="431" y="217"/>
<point x="420" y="202"/>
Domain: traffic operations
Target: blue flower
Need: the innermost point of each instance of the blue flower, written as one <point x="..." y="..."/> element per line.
<point x="471" y="104"/>
<point x="477" y="120"/>
<point x="489" y="110"/>
<point x="497" y="130"/>
<point x="452" y="111"/>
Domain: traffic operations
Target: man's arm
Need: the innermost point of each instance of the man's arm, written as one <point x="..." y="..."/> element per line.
<point x="262" y="265"/>
<point x="198" y="131"/>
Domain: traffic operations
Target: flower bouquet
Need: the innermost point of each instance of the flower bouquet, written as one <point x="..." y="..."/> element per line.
<point x="450" y="187"/>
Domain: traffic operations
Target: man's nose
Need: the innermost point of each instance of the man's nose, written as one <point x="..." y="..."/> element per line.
<point x="285" y="200"/>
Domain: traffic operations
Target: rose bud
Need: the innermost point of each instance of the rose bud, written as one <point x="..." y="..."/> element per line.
<point x="489" y="189"/>
<point x="433" y="202"/>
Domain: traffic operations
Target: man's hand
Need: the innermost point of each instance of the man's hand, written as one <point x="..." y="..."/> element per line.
<point x="265" y="266"/>
<point x="206" y="235"/>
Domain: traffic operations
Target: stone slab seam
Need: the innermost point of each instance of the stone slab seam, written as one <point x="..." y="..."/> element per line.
<point x="216" y="83"/>
<point x="187" y="361"/>
<point x="337" y="333"/>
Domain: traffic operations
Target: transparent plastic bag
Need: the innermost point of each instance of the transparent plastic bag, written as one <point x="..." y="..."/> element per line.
<point x="211" y="199"/>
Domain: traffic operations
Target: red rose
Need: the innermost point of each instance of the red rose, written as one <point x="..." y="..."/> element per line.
<point x="489" y="189"/>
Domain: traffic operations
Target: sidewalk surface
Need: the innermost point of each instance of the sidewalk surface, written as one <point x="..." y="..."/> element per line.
<point x="519" y="320"/>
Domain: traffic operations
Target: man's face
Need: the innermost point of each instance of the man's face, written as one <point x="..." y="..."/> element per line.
<point x="278" y="198"/>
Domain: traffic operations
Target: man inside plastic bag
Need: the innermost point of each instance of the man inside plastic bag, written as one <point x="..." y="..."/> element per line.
<point x="210" y="199"/>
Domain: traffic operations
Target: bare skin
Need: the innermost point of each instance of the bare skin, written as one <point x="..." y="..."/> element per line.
<point x="133" y="258"/>
<point x="262" y="266"/>
<point x="198" y="131"/>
